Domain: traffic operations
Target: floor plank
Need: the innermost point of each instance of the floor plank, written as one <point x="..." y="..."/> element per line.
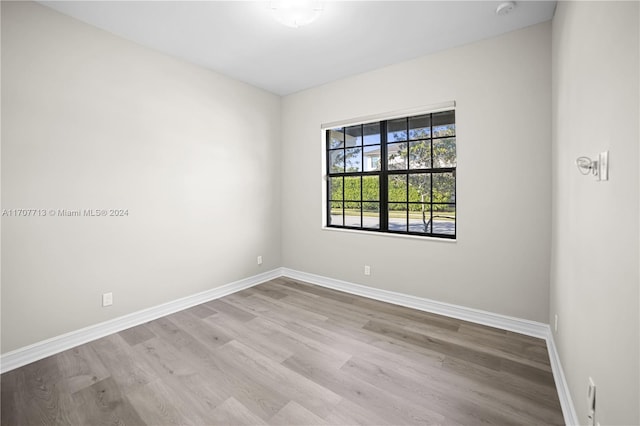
<point x="232" y="413"/>
<point x="102" y="403"/>
<point x="291" y="353"/>
<point x="137" y="334"/>
<point x="294" y="413"/>
<point x="81" y="367"/>
<point x="267" y="372"/>
<point x="41" y="395"/>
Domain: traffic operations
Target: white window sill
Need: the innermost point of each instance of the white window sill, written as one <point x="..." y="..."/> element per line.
<point x="388" y="234"/>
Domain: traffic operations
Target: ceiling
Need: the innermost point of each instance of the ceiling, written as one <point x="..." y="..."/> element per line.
<point x="242" y="40"/>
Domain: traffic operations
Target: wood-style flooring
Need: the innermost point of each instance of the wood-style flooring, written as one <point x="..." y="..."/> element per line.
<point x="290" y="353"/>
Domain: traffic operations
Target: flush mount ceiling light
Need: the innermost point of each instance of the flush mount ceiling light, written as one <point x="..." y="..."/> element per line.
<point x="505" y="8"/>
<point x="296" y="13"/>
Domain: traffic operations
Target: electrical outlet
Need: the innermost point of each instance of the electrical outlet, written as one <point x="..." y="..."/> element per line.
<point x="107" y="299"/>
<point x="555" y="324"/>
<point x="367" y="270"/>
<point x="259" y="260"/>
<point x="591" y="403"/>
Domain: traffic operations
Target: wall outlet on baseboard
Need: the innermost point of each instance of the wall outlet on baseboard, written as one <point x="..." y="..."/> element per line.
<point x="107" y="299"/>
<point x="259" y="260"/>
<point x="367" y="270"/>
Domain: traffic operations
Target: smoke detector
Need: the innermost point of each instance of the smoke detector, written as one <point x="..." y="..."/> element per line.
<point x="505" y="8"/>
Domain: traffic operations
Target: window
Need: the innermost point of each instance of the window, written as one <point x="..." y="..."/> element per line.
<point x="396" y="176"/>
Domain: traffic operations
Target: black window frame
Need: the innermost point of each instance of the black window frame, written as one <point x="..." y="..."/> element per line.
<point x="384" y="174"/>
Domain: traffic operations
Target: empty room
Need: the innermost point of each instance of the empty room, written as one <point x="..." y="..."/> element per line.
<point x="304" y="212"/>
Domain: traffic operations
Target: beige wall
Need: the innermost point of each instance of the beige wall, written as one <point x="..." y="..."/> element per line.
<point x="91" y="121"/>
<point x="594" y="275"/>
<point x="500" y="262"/>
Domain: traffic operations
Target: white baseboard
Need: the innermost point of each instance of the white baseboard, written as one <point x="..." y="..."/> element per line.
<point x="522" y="326"/>
<point x="568" y="410"/>
<point x="54" y="345"/>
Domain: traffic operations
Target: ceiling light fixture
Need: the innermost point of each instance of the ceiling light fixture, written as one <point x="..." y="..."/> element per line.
<point x="505" y="8"/>
<point x="296" y="13"/>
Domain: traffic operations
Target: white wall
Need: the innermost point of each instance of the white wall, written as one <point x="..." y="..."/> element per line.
<point x="500" y="262"/>
<point x="594" y="273"/>
<point x="91" y="121"/>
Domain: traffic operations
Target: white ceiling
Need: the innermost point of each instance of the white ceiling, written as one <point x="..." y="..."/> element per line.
<point x="242" y="40"/>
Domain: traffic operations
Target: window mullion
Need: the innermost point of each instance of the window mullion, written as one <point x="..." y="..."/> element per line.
<point x="384" y="192"/>
<point x="406" y="176"/>
<point x="361" y="176"/>
<point x="344" y="169"/>
<point x="431" y="179"/>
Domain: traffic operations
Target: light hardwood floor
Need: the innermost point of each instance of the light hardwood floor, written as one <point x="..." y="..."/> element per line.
<point x="290" y="353"/>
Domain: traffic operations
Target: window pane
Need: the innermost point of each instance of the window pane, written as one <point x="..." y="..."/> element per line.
<point x="352" y="214"/>
<point x="420" y="155"/>
<point x="398" y="188"/>
<point x="420" y="127"/>
<point x="371" y="133"/>
<point x="336" y="214"/>
<point x="420" y="187"/>
<point x="370" y="188"/>
<point x="354" y="159"/>
<point x="444" y="124"/>
<point x="371" y="158"/>
<point x="397" y="154"/>
<point x="352" y="188"/>
<point x="371" y="215"/>
<point x="353" y="136"/>
<point x="335" y="188"/>
<point x="444" y="152"/>
<point x="444" y="188"/>
<point x="336" y="161"/>
<point x="397" y="217"/>
<point x="444" y="219"/>
<point x="397" y="130"/>
<point x="420" y="217"/>
<point x="335" y="138"/>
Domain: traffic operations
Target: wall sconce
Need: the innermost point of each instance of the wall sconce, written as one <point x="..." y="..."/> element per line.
<point x="598" y="168"/>
<point x="587" y="166"/>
